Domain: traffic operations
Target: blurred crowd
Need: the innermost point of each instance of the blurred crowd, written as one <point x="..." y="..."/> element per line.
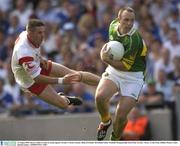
<point x="76" y="31"/>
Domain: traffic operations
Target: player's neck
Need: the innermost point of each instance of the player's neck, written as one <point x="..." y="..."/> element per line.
<point x="32" y="42"/>
<point x="122" y="31"/>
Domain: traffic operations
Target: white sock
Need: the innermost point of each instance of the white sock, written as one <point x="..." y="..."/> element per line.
<point x="107" y="123"/>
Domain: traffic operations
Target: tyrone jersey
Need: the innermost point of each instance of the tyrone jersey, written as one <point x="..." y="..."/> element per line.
<point x="134" y="58"/>
<point x="25" y="61"/>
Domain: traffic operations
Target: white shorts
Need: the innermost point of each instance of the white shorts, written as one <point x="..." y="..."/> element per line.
<point x="128" y="83"/>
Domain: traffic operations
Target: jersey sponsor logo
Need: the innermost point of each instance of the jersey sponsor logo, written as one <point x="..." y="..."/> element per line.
<point x="106" y="74"/>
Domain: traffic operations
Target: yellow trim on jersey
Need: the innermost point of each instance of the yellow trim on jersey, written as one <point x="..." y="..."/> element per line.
<point x="144" y="50"/>
<point x="127" y="63"/>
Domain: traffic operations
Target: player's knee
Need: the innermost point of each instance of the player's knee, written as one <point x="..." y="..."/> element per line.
<point x="62" y="103"/>
<point x="100" y="97"/>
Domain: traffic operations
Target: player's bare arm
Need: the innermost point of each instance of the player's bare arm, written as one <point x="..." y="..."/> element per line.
<point x="67" y="79"/>
<point x="89" y="78"/>
<point x="79" y="76"/>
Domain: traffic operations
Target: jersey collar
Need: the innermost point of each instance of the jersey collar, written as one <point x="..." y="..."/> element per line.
<point x="130" y="33"/>
<point x="31" y="43"/>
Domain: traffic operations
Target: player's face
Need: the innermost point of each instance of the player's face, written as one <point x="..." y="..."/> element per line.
<point x="38" y="35"/>
<point x="126" y="21"/>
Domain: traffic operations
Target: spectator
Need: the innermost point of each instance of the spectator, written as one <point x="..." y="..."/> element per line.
<point x="3" y="55"/>
<point x="160" y="9"/>
<point x="163" y="31"/>
<point x="13" y="89"/>
<point x="137" y="127"/>
<point x="153" y="57"/>
<point x="15" y="28"/>
<point x="174" y="20"/>
<point x="26" y="106"/>
<point x="173" y="44"/>
<point x="4" y="24"/>
<point x="152" y="98"/>
<point x="85" y="27"/>
<point x="5" y="5"/>
<point x="3" y="51"/>
<point x="23" y="11"/>
<point x="6" y="100"/>
<point x="175" y="74"/>
<point x="166" y="87"/>
<point x="164" y="63"/>
<point x="45" y="12"/>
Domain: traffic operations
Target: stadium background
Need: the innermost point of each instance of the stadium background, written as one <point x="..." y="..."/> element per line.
<point x="76" y="31"/>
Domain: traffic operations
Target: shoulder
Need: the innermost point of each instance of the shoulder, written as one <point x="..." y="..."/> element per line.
<point x="21" y="44"/>
<point x="113" y="28"/>
<point x="134" y="32"/>
<point x="114" y="23"/>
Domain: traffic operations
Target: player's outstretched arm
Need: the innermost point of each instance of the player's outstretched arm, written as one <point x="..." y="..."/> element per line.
<point x="67" y="79"/>
<point x="59" y="70"/>
<point x="89" y="78"/>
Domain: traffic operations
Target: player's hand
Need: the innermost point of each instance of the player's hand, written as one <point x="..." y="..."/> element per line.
<point x="105" y="54"/>
<point x="72" y="78"/>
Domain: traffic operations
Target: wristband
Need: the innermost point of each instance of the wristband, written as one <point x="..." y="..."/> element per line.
<point x="60" y="80"/>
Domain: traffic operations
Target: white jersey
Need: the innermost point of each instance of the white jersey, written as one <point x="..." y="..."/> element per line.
<point x="25" y="61"/>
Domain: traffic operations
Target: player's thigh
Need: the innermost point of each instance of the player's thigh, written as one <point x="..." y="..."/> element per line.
<point x="105" y="89"/>
<point x="50" y="95"/>
<point x="58" y="70"/>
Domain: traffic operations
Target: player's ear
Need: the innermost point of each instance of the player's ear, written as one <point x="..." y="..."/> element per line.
<point x="118" y="19"/>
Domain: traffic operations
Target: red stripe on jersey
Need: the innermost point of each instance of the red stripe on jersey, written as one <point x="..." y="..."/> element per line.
<point x="25" y="59"/>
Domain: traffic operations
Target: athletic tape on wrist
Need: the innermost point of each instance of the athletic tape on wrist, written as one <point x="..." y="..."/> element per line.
<point x="60" y="80"/>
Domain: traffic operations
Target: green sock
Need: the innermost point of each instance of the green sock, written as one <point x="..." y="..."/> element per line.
<point x="113" y="138"/>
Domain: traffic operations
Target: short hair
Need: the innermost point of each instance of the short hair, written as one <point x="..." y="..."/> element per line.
<point x="129" y="9"/>
<point x="33" y="23"/>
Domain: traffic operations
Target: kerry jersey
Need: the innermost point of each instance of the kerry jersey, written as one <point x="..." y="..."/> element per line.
<point x="134" y="58"/>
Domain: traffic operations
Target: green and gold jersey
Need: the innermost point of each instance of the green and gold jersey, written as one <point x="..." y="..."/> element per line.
<point x="134" y="58"/>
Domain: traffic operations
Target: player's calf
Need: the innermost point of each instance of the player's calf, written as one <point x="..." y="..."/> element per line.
<point x="72" y="100"/>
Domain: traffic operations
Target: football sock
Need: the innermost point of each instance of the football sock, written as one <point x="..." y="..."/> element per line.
<point x="113" y="137"/>
<point x="106" y="119"/>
